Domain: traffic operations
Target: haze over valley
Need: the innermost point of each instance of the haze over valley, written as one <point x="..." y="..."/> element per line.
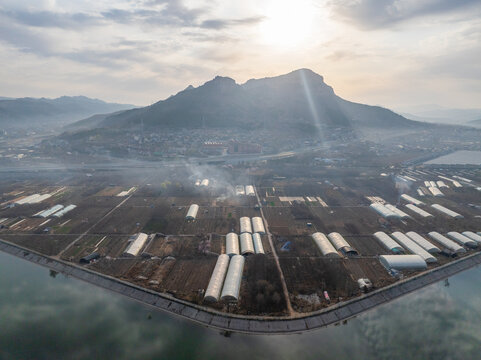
<point x="265" y="179"/>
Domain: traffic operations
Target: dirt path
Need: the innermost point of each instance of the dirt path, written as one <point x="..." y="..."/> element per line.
<point x="276" y="258"/>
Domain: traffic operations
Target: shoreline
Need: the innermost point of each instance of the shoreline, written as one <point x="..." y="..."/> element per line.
<point x="262" y="325"/>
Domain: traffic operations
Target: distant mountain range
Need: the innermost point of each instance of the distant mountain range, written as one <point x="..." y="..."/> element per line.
<point x="475" y="123"/>
<point x="47" y="112"/>
<point x="298" y="101"/>
<point x="443" y="115"/>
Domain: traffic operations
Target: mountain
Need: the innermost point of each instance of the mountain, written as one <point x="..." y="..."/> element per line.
<point x="297" y="101"/>
<point x="474" y="123"/>
<point x="442" y="115"/>
<point x="44" y="112"/>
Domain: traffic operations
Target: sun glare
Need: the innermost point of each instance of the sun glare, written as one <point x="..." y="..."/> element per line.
<point x="288" y="23"/>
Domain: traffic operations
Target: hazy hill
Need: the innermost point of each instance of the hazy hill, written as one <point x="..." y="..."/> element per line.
<point x="475" y="123"/>
<point x="44" y="112"/>
<point x="299" y="100"/>
<point x="442" y="115"/>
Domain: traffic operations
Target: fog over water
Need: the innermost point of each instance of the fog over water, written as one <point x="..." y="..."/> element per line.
<point x="46" y="317"/>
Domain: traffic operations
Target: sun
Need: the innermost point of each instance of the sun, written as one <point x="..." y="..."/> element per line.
<point x="288" y="23"/>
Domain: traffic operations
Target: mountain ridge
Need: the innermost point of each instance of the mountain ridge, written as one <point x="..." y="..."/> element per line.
<point x="299" y="101"/>
<point x="28" y="111"/>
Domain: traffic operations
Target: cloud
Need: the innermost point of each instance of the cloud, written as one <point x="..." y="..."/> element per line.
<point x="52" y="19"/>
<point x="158" y="13"/>
<point x="373" y="14"/>
<point x="223" y="23"/>
<point x="24" y="39"/>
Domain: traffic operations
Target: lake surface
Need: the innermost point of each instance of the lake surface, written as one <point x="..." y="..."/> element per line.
<point x="46" y="317"/>
<point x="458" y="158"/>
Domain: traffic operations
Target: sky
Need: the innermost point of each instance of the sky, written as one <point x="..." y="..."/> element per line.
<point x="401" y="54"/>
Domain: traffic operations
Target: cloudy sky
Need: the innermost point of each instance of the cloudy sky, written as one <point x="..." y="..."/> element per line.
<point x="396" y="53"/>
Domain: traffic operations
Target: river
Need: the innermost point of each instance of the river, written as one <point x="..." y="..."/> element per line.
<point x="43" y="316"/>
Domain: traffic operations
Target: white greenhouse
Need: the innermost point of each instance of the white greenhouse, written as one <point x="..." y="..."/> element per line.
<point x="411" y="200"/>
<point x="447" y="211"/>
<point x="403" y="262"/>
<point x="418" y="211"/>
<point x="232" y="244"/>
<point x="424" y="243"/>
<point x="383" y="211"/>
<point x="461" y="239"/>
<point x="388" y="242"/>
<point x="246" y="244"/>
<point x="472" y="236"/>
<point x="51" y="211"/>
<point x="65" y="210"/>
<point x="250" y="190"/>
<point x="258" y="225"/>
<point x="340" y="243"/>
<point x="245" y="225"/>
<point x="410" y="245"/>
<point x="401" y="214"/>
<point x="136" y="243"/>
<point x="435" y="191"/>
<point x="324" y="245"/>
<point x="192" y="212"/>
<point x="216" y="281"/>
<point x="258" y="247"/>
<point x="449" y="244"/>
<point x="232" y="283"/>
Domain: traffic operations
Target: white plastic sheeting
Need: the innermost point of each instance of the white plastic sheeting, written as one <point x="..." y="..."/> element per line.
<point x="204" y="182"/>
<point x="258" y="225"/>
<point x="457" y="184"/>
<point x="232" y="244"/>
<point x="245" y="225"/>
<point x="257" y="240"/>
<point x="410" y="245"/>
<point x="27" y="200"/>
<point x="65" y="210"/>
<point x="401" y="214"/>
<point x="246" y="244"/>
<point x="447" y="211"/>
<point x="338" y="241"/>
<point x="250" y="190"/>
<point x="403" y="262"/>
<point x="472" y="236"/>
<point x="424" y="243"/>
<point x="40" y="198"/>
<point x="388" y="242"/>
<point x="216" y="281"/>
<point x="461" y="239"/>
<point x="449" y="244"/>
<point x="192" y="212"/>
<point x="435" y="191"/>
<point x="51" y="211"/>
<point x="383" y="211"/>
<point x="232" y="283"/>
<point x="138" y="241"/>
<point x="324" y="245"/>
<point x="418" y="211"/>
<point x="411" y="200"/>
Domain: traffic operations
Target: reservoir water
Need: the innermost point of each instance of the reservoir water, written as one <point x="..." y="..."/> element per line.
<point x="461" y="157"/>
<point x="49" y="316"/>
